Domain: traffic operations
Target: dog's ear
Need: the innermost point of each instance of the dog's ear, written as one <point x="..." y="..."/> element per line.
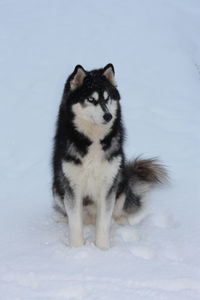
<point x="77" y="77"/>
<point x="109" y="73"/>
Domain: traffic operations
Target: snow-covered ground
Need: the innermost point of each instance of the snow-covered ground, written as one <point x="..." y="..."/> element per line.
<point x="155" y="48"/>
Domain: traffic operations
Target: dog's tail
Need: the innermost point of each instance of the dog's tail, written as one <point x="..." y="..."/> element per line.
<point x="143" y="175"/>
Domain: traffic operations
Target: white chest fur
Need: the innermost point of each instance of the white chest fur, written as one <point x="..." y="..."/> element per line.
<point x="95" y="175"/>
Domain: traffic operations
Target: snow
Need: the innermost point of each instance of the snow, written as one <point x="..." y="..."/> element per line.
<point x="154" y="46"/>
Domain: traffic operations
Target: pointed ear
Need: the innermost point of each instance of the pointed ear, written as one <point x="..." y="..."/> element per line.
<point x="109" y="73"/>
<point x="77" y="77"/>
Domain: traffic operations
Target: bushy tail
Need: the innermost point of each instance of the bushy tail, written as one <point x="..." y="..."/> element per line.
<point x="143" y="174"/>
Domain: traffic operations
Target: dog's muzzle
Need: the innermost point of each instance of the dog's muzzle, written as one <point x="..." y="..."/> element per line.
<point x="107" y="115"/>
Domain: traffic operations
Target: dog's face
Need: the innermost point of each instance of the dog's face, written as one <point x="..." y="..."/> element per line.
<point x="93" y="95"/>
<point x="98" y="108"/>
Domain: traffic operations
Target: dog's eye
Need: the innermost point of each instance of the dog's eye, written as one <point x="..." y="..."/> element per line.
<point x="90" y="99"/>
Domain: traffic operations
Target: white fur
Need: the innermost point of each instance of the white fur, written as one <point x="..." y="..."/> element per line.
<point x="105" y="95"/>
<point x="92" y="178"/>
<point x="94" y="173"/>
<point x="75" y="219"/>
<point x="89" y="128"/>
<point x="104" y="217"/>
<point x="95" y="95"/>
<point x="93" y="114"/>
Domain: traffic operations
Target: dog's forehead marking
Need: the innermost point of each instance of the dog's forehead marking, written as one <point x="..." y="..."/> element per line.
<point x="105" y="94"/>
<point x="95" y="95"/>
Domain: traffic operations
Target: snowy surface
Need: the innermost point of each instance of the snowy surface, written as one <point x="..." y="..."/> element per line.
<point x="155" y="48"/>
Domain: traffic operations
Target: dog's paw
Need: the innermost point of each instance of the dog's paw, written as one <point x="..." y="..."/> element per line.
<point x="122" y="220"/>
<point x="76" y="243"/>
<point x="103" y="244"/>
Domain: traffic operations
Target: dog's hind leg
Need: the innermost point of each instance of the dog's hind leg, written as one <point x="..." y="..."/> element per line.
<point x="105" y="207"/>
<point x="75" y="220"/>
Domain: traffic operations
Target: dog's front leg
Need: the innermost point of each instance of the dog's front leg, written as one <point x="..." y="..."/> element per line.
<point x="74" y="211"/>
<point x="105" y="207"/>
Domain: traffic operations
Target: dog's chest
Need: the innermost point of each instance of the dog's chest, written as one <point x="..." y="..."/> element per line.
<point x="95" y="174"/>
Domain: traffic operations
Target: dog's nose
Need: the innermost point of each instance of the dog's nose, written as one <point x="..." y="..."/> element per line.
<point x="107" y="117"/>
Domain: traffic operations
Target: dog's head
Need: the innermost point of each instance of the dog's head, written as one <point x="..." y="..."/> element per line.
<point x="93" y="95"/>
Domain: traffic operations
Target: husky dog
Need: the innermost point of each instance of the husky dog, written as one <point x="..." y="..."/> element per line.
<point x="91" y="179"/>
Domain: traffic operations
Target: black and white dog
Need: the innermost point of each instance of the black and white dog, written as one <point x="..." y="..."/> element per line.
<point x="92" y="182"/>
